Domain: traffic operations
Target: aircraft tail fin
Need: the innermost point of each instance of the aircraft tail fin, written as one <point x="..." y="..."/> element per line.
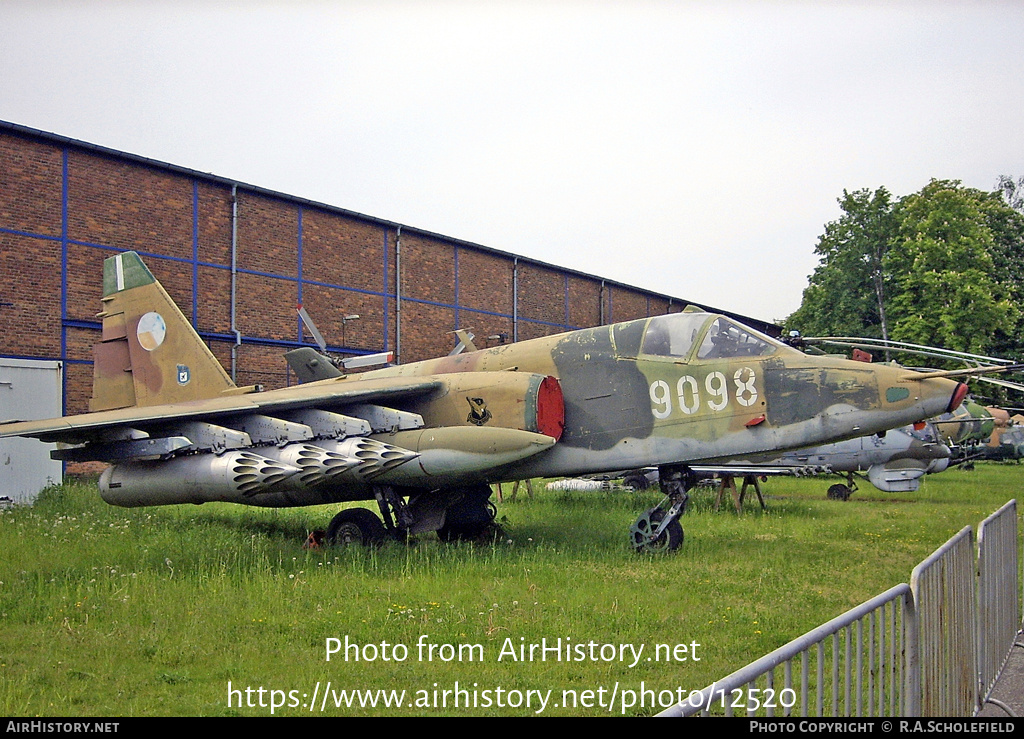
<point x="148" y="354"/>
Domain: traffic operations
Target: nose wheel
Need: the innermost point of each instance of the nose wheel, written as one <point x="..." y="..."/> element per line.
<point x="658" y="529"/>
<point x="652" y="533"/>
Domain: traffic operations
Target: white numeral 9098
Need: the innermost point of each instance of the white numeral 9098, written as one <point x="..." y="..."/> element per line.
<point x="716" y="389"/>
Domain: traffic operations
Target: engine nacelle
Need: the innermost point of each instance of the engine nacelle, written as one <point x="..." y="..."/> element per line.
<point x="511" y="400"/>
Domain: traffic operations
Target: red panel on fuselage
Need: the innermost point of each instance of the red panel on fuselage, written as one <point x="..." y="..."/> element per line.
<point x="550" y="408"/>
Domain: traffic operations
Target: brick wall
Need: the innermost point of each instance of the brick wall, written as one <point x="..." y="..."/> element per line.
<point x="66" y="206"/>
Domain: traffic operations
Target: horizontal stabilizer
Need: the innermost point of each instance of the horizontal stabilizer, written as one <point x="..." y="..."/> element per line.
<point x="309" y="365"/>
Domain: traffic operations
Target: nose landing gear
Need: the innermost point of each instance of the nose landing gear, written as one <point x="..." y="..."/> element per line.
<point x="658" y="529"/>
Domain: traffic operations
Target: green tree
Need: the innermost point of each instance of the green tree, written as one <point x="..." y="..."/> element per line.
<point x="847" y="292"/>
<point x="941" y="267"/>
<point x="1006" y="222"/>
<point x="947" y="291"/>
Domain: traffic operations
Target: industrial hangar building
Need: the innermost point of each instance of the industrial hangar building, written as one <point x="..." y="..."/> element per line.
<point x="238" y="259"/>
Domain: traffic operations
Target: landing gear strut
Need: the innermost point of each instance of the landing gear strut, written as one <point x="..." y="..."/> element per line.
<point x="658" y="529"/>
<point x="471" y="518"/>
<point x="644" y="532"/>
<point x="457" y="514"/>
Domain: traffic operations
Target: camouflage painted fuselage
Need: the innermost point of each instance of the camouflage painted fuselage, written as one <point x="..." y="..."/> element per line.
<point x="629" y="406"/>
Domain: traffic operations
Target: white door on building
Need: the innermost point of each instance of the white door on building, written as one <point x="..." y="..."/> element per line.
<point x="29" y="390"/>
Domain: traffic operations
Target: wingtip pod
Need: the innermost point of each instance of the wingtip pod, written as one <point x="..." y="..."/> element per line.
<point x="148" y="353"/>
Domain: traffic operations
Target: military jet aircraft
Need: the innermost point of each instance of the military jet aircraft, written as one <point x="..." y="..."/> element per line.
<point x="425" y="439"/>
<point x="894" y="461"/>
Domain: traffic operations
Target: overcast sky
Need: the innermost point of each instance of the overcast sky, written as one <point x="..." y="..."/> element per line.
<point x="693" y="148"/>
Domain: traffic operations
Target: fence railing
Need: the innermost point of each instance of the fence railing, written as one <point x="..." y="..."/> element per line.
<point x="998" y="592"/>
<point x="943" y="588"/>
<point x="931" y="648"/>
<point x="850" y="666"/>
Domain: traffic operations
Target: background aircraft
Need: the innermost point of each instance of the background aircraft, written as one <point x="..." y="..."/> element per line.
<point x="978" y="432"/>
<point x="893" y="462"/>
<point x="1007" y="439"/>
<point x="896" y="461"/>
<point x="425" y="439"/>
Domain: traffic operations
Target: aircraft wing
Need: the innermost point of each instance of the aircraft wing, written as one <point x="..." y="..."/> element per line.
<point x="325" y="396"/>
<point x="460" y="425"/>
<point x="313" y="443"/>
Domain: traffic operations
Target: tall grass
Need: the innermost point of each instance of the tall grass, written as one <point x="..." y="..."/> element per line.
<point x="107" y="611"/>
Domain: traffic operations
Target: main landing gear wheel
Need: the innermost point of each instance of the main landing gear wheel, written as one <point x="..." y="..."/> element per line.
<point x="355" y="526"/>
<point x="636" y="480"/>
<point x="839" y="492"/>
<point x="471" y="518"/>
<point x="641" y="533"/>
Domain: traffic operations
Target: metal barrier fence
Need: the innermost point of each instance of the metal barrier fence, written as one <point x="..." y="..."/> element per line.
<point x="943" y="588"/>
<point x="998" y="611"/>
<point x="915" y="650"/>
<point x="850" y="666"/>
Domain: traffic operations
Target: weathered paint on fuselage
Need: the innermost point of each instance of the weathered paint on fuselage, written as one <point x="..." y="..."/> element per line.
<point x="626" y="408"/>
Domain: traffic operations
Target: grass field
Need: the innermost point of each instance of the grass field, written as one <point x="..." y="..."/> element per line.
<point x="137" y="612"/>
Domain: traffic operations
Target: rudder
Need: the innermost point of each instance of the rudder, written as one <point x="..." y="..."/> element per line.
<point x="148" y="354"/>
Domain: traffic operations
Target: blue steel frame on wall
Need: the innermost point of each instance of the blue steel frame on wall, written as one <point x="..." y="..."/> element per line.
<point x="387" y="296"/>
<point x="390" y="295"/>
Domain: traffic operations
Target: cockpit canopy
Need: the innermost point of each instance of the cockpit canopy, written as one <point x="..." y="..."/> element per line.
<point x="715" y="337"/>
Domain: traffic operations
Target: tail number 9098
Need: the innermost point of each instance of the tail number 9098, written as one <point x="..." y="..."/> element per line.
<point x="716" y="391"/>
